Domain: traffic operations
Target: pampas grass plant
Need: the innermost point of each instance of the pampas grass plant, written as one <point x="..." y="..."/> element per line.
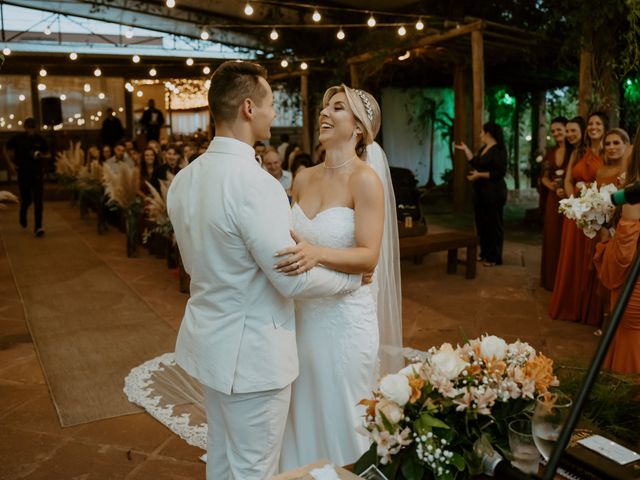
<point x="121" y="186"/>
<point x="156" y="209"/>
<point x="69" y="163"/>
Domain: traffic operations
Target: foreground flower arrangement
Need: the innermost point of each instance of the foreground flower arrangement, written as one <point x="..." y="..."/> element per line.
<point x="436" y="417"/>
<point x="591" y="209"/>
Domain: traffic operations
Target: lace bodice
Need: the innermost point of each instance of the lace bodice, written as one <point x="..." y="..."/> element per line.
<point x="333" y="227"/>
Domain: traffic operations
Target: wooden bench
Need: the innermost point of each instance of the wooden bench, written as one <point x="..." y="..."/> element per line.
<point x="418" y="247"/>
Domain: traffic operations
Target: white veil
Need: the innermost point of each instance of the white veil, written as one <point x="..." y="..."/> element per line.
<point x="387" y="277"/>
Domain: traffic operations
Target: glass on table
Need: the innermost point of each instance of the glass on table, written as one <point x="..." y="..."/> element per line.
<point x="549" y="417"/>
<point x="526" y="457"/>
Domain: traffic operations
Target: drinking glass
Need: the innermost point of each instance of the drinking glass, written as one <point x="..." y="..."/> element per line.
<point x="526" y="457"/>
<point x="548" y="418"/>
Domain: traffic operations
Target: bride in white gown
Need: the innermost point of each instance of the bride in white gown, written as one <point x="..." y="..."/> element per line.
<point x="339" y="210"/>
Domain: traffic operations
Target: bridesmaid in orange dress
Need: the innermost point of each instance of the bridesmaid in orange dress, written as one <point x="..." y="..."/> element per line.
<point x="554" y="165"/>
<point x="575" y="297"/>
<point x="613" y="260"/>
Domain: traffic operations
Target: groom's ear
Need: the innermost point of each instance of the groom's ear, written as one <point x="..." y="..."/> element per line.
<point x="246" y="108"/>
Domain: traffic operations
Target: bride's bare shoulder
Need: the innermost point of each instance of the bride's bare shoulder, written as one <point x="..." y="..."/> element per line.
<point x="365" y="177"/>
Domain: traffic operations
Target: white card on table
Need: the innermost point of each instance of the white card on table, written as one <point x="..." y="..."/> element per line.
<point x="610" y="449"/>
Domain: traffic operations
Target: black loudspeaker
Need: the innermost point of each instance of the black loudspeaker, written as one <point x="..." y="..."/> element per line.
<point x="51" y="109"/>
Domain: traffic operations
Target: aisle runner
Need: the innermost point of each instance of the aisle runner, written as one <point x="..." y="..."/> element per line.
<point x="89" y="327"/>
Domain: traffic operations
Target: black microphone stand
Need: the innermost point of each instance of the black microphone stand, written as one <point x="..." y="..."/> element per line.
<point x="592" y="374"/>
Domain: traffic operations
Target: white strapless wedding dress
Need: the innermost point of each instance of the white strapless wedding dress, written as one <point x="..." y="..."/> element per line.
<point x="338" y="350"/>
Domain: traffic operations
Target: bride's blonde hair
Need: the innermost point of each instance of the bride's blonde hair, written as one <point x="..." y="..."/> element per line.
<point x="366" y="111"/>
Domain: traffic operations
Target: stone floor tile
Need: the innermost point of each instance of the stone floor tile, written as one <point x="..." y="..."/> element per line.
<point x="168" y="469"/>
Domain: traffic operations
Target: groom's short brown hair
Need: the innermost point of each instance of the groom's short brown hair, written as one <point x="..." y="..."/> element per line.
<point x="231" y="84"/>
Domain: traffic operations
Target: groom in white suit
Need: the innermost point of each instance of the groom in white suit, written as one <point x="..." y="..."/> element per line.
<point x="238" y="332"/>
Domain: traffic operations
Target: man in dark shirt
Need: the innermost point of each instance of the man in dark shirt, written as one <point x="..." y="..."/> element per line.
<point x="112" y="130"/>
<point x="152" y="120"/>
<point x="29" y="150"/>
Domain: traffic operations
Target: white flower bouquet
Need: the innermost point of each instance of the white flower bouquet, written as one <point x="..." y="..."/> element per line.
<point x="591" y="209"/>
<point x="435" y="418"/>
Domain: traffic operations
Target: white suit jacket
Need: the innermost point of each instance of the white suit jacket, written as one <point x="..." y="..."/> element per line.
<point x="230" y="217"/>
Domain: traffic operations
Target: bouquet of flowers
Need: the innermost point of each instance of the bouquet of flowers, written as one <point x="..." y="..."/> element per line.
<point x="591" y="209"/>
<point x="436" y="417"/>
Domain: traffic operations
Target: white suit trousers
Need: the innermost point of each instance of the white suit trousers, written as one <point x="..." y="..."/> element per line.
<point x="245" y="433"/>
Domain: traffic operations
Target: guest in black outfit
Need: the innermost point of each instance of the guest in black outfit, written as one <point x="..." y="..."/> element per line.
<point x="489" y="191"/>
<point x="29" y="150"/>
<point x="172" y="165"/>
<point x="152" y="120"/>
<point x="150" y="163"/>
<point x="112" y="130"/>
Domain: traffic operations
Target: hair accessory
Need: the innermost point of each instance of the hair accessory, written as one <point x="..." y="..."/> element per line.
<point x="366" y="103"/>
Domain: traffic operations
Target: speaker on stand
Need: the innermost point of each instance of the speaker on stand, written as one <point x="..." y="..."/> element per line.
<point x="51" y="113"/>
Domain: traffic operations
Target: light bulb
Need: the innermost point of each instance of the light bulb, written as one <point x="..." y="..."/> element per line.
<point x="153" y="72"/>
<point x="42" y="87"/>
<point x="120" y="109"/>
<point x="274" y="34"/>
<point x="135" y="59"/>
<point x="248" y="9"/>
<point x="402" y="31"/>
<point x="63" y="97"/>
<point x="304" y="65"/>
<point x="139" y="93"/>
<point x="87" y="87"/>
<point x="419" y="25"/>
<point x="371" y="22"/>
<point x="204" y="35"/>
<point x="128" y="87"/>
<point x="43" y="72"/>
<point x="12" y="116"/>
<point x="6" y="51"/>
<point x="73" y="56"/>
<point x="284" y="63"/>
<point x="128" y="33"/>
<point x="206" y="70"/>
<point x="340" y="34"/>
<point x="170" y="3"/>
<point x="101" y="96"/>
<point x="99" y="114"/>
<point x="207" y="84"/>
<point x="189" y="61"/>
<point x="21" y="98"/>
<point x="47" y="30"/>
<point x="316" y="16"/>
<point x="97" y="72"/>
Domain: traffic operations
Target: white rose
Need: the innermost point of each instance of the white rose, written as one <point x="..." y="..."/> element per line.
<point x="396" y="387"/>
<point x="391" y="411"/>
<point x="411" y="370"/>
<point x="447" y="363"/>
<point x="493" y="347"/>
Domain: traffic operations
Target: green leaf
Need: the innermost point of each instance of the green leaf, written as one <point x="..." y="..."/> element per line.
<point x="386" y="423"/>
<point x="426" y="422"/>
<point x="412" y="469"/>
<point x="458" y="461"/>
<point x="367" y="459"/>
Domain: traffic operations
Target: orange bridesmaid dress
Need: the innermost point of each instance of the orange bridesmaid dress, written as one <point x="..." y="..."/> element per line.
<point x="575" y="292"/>
<point x="613" y="261"/>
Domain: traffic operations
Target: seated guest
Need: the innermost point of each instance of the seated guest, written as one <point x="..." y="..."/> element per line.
<point x="171" y="165"/>
<point x="272" y="163"/>
<point x="259" y="147"/>
<point x="302" y="161"/>
<point x="149" y="164"/>
<point x="292" y="151"/>
<point x="92" y="154"/>
<point x="156" y="147"/>
<point x="106" y="152"/>
<point x="119" y="158"/>
<point x="189" y="154"/>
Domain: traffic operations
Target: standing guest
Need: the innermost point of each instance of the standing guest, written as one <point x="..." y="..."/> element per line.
<point x="106" y="152"/>
<point x="112" y="130"/>
<point x="284" y="144"/>
<point x="119" y="158"/>
<point x="575" y="297"/>
<point x="613" y="260"/>
<point x="616" y="144"/>
<point x="554" y="166"/>
<point x="149" y="164"/>
<point x="273" y="164"/>
<point x="489" y="191"/>
<point x="302" y="161"/>
<point x="152" y="120"/>
<point x="29" y="149"/>
<point x="171" y="165"/>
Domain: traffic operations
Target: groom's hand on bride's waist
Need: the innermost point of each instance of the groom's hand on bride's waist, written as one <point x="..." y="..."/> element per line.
<point x="367" y="278"/>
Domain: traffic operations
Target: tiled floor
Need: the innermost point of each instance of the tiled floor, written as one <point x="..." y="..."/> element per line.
<point x="505" y="301"/>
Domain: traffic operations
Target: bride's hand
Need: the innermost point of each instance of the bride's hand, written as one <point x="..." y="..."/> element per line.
<point x="300" y="258"/>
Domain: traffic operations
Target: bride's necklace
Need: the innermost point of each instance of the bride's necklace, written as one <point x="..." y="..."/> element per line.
<point x="333" y="167"/>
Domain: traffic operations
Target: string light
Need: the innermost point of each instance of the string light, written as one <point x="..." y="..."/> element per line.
<point x="135" y="59"/>
<point x="316" y="17"/>
<point x="170" y="3"/>
<point x="372" y="21"/>
<point x="97" y="72"/>
<point x="128" y="87"/>
<point x="73" y="56"/>
<point x="206" y="70"/>
<point x="402" y="31"/>
<point x="42" y="87"/>
<point x="204" y="35"/>
<point x="139" y="93"/>
<point x="248" y="9"/>
<point x="128" y="33"/>
<point x="189" y="61"/>
<point x="405" y="56"/>
<point x="340" y="34"/>
<point x="87" y="87"/>
<point x="21" y="98"/>
<point x="284" y="63"/>
<point x="304" y="66"/>
<point x="419" y="24"/>
<point x="47" y="30"/>
<point x="274" y="34"/>
<point x="43" y="72"/>
<point x="63" y="97"/>
<point x="153" y="72"/>
<point x="6" y="51"/>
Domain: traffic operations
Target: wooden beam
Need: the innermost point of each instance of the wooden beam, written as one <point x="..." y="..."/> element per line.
<point x="462" y="125"/>
<point x="586" y="83"/>
<point x="516" y="139"/>
<point x="477" y="67"/>
<point x="353" y="72"/>
<point x="304" y="99"/>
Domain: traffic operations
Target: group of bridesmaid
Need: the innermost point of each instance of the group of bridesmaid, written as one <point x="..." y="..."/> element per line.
<point x="586" y="275"/>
